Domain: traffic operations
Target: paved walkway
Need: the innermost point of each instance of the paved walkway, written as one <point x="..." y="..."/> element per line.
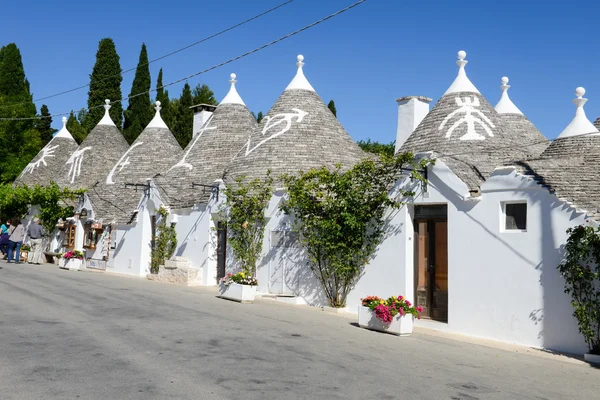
<point x="89" y="335"/>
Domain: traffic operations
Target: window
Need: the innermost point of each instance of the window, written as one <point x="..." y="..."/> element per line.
<point x="92" y="236"/>
<point x="68" y="239"/>
<point x="515" y="216"/>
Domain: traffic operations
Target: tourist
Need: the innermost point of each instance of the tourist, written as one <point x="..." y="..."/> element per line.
<point x="15" y="241"/>
<point x="35" y="232"/>
<point x="5" y="232"/>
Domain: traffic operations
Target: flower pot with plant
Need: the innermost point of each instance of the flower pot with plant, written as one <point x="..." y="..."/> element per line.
<point x="394" y="315"/>
<point x="73" y="260"/>
<point x="238" y="287"/>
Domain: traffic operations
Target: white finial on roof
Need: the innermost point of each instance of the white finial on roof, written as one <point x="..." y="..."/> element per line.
<point x="157" y="121"/>
<point x="505" y="105"/>
<point x="580" y="124"/>
<point x="461" y="83"/>
<point x="300" y="81"/>
<point x="106" y="120"/>
<point x="232" y="96"/>
<point x="64" y="132"/>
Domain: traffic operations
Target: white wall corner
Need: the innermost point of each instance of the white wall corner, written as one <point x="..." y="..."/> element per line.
<point x="411" y="111"/>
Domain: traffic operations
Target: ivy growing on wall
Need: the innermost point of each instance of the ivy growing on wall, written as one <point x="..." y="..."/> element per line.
<point x="340" y="216"/>
<point x="165" y="241"/>
<point x="244" y="213"/>
<point x="581" y="271"/>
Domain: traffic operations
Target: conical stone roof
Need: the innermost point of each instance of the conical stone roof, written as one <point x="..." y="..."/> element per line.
<point x="94" y="158"/>
<point x="466" y="133"/>
<point x="569" y="166"/>
<point x="154" y="151"/>
<point x="532" y="140"/>
<point x="298" y="133"/>
<point x="205" y="158"/>
<point x="47" y="164"/>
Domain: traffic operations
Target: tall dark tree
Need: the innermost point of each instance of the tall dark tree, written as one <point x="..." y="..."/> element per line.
<point x="74" y="127"/>
<point x="19" y="140"/>
<point x="105" y="83"/>
<point x="331" y="107"/>
<point x="203" y="95"/>
<point x="184" y="121"/>
<point x="44" y="125"/>
<point x="259" y="117"/>
<point x="139" y="111"/>
<point x="162" y="95"/>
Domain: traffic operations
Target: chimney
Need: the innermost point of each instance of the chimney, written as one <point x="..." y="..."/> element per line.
<point x="411" y="111"/>
<point x="202" y="113"/>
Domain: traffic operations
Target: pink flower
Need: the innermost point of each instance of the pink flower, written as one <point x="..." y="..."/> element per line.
<point x="408" y="303"/>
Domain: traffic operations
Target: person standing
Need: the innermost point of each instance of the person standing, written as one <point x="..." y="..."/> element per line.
<point x="36" y="234"/>
<point x="15" y="241"/>
<point x="5" y="232"/>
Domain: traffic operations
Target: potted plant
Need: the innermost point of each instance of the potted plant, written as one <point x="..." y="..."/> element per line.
<point x="238" y="287"/>
<point x="394" y="315"/>
<point x="73" y="260"/>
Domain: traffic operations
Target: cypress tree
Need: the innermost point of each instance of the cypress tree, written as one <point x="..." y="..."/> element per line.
<point x="331" y="107"/>
<point x="139" y="111"/>
<point x="184" y="120"/>
<point x="19" y="140"/>
<point x="74" y="127"/>
<point x="44" y="125"/>
<point x="105" y="83"/>
<point x="162" y="95"/>
<point x="259" y="117"/>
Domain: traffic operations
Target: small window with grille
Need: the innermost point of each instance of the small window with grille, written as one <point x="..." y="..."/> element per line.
<point x="514" y="216"/>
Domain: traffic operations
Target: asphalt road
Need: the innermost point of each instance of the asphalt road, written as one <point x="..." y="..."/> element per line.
<point x="87" y="335"/>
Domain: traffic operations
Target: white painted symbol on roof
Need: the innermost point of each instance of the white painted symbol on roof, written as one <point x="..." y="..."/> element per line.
<point x="47" y="151"/>
<point x="471" y="114"/>
<point x="121" y="163"/>
<point x="75" y="162"/>
<point x="272" y="122"/>
<point x="183" y="162"/>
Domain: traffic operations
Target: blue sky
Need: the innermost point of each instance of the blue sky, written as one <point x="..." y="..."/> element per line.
<point x="363" y="59"/>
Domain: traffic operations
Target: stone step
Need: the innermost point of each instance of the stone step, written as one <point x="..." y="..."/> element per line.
<point x="172" y="264"/>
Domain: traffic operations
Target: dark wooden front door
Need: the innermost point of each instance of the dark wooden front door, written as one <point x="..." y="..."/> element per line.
<point x="431" y="261"/>
<point x="221" y="249"/>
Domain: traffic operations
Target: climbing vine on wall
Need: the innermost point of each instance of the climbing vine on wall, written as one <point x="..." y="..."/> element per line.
<point x="340" y="216"/>
<point x="165" y="240"/>
<point x="581" y="271"/>
<point x="244" y="213"/>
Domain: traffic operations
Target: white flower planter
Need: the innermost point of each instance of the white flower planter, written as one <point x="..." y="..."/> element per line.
<point x="402" y="326"/>
<point x="61" y="262"/>
<point x="73" y="264"/>
<point x="237" y="292"/>
<point x="592" y="358"/>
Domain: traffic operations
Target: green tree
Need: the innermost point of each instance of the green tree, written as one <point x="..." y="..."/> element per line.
<point x="184" y="117"/>
<point x="105" y="83"/>
<point x="203" y="95"/>
<point x="44" y="125"/>
<point x="259" y="117"/>
<point x="377" y="148"/>
<point x="332" y="108"/>
<point x="339" y="215"/>
<point x="74" y="127"/>
<point x="139" y="111"/>
<point x="19" y="140"/>
<point x="162" y="95"/>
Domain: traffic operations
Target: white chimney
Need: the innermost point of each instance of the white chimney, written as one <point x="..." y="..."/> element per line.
<point x="411" y="111"/>
<point x="202" y="113"/>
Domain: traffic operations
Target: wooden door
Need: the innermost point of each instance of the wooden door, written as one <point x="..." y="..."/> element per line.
<point x="431" y="267"/>
<point x="221" y="249"/>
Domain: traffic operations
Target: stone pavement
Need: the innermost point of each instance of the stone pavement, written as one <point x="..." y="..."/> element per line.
<point x="90" y="335"/>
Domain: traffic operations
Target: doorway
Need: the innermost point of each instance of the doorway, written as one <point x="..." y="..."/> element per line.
<point x="283" y="264"/>
<point x="221" y="249"/>
<point x="431" y="260"/>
